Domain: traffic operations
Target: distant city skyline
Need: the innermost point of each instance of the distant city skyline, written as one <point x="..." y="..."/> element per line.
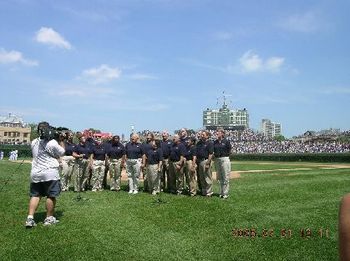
<point x="157" y="64"/>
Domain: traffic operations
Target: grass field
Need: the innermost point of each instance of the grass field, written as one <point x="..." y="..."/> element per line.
<point x="289" y="215"/>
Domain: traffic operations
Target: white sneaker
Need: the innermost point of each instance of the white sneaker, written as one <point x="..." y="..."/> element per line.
<point x="50" y="221"/>
<point x="135" y="192"/>
<point x="130" y="192"/>
<point x="30" y="223"/>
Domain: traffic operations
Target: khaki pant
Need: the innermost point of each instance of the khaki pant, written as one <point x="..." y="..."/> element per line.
<point x="176" y="182"/>
<point x="165" y="173"/>
<point x="171" y="178"/>
<point x="223" y="171"/>
<point x="66" y="171"/>
<point x="133" y="169"/>
<point x="153" y="178"/>
<point x="98" y="172"/>
<point x="205" y="177"/>
<point x="81" y="174"/>
<point x="191" y="177"/>
<point x="115" y="171"/>
<point x="145" y="179"/>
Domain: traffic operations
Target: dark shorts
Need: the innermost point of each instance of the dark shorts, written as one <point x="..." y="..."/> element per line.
<point x="51" y="189"/>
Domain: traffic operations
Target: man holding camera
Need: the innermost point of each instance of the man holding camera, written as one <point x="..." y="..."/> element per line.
<point x="45" y="181"/>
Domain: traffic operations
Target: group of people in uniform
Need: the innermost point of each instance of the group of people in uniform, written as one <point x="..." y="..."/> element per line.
<point x="181" y="165"/>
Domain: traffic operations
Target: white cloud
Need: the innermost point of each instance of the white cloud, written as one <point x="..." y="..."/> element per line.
<point x="15" y="57"/>
<point x="304" y="23"/>
<point x="82" y="92"/>
<point x="52" y="38"/>
<point x="102" y="74"/>
<point x="251" y="62"/>
<point x="274" y="63"/>
<point x="143" y="76"/>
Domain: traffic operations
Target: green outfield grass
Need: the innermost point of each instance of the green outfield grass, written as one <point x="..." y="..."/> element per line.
<point x="119" y="226"/>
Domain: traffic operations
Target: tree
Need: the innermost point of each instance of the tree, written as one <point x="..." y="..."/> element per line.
<point x="279" y="138"/>
<point x="94" y="130"/>
<point x="33" y="131"/>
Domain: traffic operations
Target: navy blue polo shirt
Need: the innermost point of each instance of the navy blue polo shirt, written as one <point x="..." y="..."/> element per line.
<point x="146" y="147"/>
<point x="82" y="149"/>
<point x="176" y="151"/>
<point x="90" y="142"/>
<point x="165" y="146"/>
<point x="99" y="152"/>
<point x="115" y="151"/>
<point x="204" y="149"/>
<point x="133" y="150"/>
<point x="154" y="156"/>
<point x="190" y="152"/>
<point x="69" y="148"/>
<point x="184" y="140"/>
<point x="222" y="148"/>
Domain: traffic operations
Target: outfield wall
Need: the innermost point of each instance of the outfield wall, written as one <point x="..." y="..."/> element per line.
<point x="308" y="157"/>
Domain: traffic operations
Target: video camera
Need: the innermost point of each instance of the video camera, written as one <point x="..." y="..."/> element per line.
<point x="49" y="132"/>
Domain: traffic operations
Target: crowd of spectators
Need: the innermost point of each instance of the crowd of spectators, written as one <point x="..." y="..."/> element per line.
<point x="289" y="146"/>
<point x="249" y="141"/>
<point x="143" y="134"/>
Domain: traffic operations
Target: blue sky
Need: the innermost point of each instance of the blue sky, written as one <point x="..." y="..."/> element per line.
<point x="157" y="64"/>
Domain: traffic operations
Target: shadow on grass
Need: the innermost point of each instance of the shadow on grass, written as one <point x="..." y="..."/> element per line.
<point x="40" y="216"/>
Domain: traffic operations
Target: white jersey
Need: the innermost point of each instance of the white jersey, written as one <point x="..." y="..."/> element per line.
<point x="45" y="160"/>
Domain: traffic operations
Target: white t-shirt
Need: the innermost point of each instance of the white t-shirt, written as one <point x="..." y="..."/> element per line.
<point x="45" y="160"/>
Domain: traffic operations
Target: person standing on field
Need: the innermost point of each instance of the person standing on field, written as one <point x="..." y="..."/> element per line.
<point x="116" y="161"/>
<point x="205" y="151"/>
<point x="222" y="150"/>
<point x="165" y="146"/>
<point x="98" y="164"/>
<point x="146" y="147"/>
<point x="67" y="162"/>
<point x="176" y="164"/>
<point x="133" y="157"/>
<point x="44" y="176"/>
<point x="154" y="160"/>
<point x="191" y="166"/>
<point x="81" y="153"/>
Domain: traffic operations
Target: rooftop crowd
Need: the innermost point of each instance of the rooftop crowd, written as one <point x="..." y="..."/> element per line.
<point x="248" y="141"/>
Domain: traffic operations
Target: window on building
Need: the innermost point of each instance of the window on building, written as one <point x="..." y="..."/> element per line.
<point x="5" y="133"/>
<point x="25" y="135"/>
